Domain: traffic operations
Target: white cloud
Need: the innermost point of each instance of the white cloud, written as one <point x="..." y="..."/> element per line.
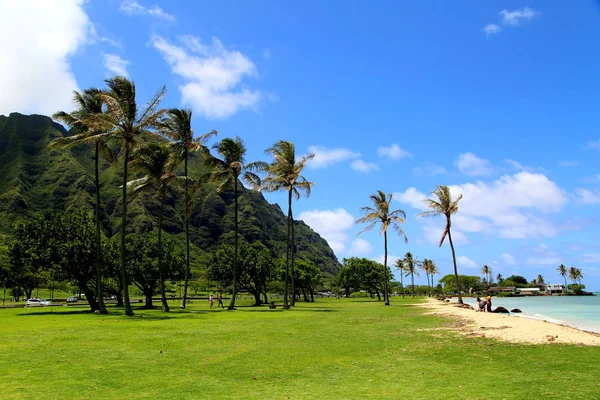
<point x="465" y="262"/>
<point x="515" y="17"/>
<point x="325" y="157"/>
<point x="391" y="260"/>
<point x="513" y="206"/>
<point x="363" y="166"/>
<point x="507" y="259"/>
<point x="412" y="197"/>
<point x="331" y="225"/>
<point x="471" y="165"/>
<point x="115" y="64"/>
<point x="429" y="168"/>
<point x="587" y="196"/>
<point x="211" y="74"/>
<point x="569" y="163"/>
<point x="594" y="145"/>
<point x="133" y="7"/>
<point x="359" y="247"/>
<point x="433" y="234"/>
<point x="37" y="39"/>
<point x="393" y="152"/>
<point x="542" y="255"/>
<point x="491" y="29"/>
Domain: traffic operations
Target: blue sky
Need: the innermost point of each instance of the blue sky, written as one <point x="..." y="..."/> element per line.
<point x="498" y="100"/>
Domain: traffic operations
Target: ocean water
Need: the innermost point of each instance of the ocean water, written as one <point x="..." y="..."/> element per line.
<point x="581" y="312"/>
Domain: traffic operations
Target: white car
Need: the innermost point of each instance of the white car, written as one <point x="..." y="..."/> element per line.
<point x="36" y="303"/>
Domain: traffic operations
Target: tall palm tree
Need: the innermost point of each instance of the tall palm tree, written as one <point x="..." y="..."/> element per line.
<point x="400" y="267"/>
<point x="380" y="213"/>
<point x="444" y="205"/>
<point x="562" y="270"/>
<point x="126" y="122"/>
<point x="499" y="278"/>
<point x="573" y="274"/>
<point x="433" y="270"/>
<point x="226" y="171"/>
<point x="177" y="126"/>
<point x="410" y="267"/>
<point x="157" y="163"/>
<point x="88" y="104"/>
<point x="426" y="265"/>
<point x="491" y="274"/>
<point x="485" y="270"/>
<point x="284" y="174"/>
<point x="540" y="280"/>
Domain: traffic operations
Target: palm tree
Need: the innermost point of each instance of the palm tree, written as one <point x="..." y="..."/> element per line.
<point x="380" y="213"/>
<point x="433" y="270"/>
<point x="157" y="163"/>
<point x="127" y="123"/>
<point x="226" y="171"/>
<point x="444" y="205"/>
<point x="177" y="126"/>
<point x="486" y="272"/>
<point x="400" y="267"/>
<point x="491" y="274"/>
<point x="499" y="278"/>
<point x="284" y="174"/>
<point x="562" y="270"/>
<point x="88" y="103"/>
<point x="427" y="266"/>
<point x="540" y="280"/>
<point x="410" y="267"/>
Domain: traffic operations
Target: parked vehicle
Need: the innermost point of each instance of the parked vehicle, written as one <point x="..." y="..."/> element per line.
<point x="37" y="303"/>
<point x="72" y="300"/>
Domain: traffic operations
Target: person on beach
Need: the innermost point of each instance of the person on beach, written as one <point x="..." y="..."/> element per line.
<point x="220" y="300"/>
<point x="488" y="301"/>
<point x="481" y="304"/>
<point x="211" y="300"/>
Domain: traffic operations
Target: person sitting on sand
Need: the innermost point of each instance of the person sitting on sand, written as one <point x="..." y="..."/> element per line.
<point x="488" y="301"/>
<point x="480" y="305"/>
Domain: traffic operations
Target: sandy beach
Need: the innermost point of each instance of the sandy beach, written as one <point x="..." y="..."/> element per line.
<point x="511" y="328"/>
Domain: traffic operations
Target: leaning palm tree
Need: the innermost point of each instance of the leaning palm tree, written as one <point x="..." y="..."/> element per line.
<point x="380" y="213"/>
<point x="157" y="163"/>
<point x="227" y="170"/>
<point x="126" y="123"/>
<point x="284" y="174"/>
<point x="562" y="270"/>
<point x="177" y="126"/>
<point x="88" y="104"/>
<point x="410" y="267"/>
<point x="444" y="205"/>
<point x="399" y="264"/>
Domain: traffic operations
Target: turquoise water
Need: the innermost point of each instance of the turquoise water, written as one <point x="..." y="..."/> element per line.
<point x="581" y="312"/>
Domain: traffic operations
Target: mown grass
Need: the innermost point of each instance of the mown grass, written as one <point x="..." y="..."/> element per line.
<point x="337" y="349"/>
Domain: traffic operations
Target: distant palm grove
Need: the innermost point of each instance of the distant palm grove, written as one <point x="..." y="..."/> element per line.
<point x="151" y="151"/>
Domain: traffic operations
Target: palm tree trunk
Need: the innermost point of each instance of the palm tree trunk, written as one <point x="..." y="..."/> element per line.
<point x="165" y="305"/>
<point x="412" y="280"/>
<point x="128" y="310"/>
<point x="287" y="253"/>
<point x="235" y="245"/>
<point x="292" y="251"/>
<point x="386" y="298"/>
<point x="402" y="282"/>
<point x="187" y="234"/>
<point x="100" y="297"/>
<point x="566" y="287"/>
<point x="460" y="301"/>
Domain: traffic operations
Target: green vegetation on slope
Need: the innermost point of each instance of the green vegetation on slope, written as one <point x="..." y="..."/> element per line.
<point x="36" y="180"/>
<point x="352" y="349"/>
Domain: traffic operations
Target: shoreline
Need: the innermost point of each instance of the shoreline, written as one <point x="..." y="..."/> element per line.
<point x="511" y="328"/>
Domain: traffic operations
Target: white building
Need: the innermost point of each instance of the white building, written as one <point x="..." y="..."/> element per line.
<point x="555" y="288"/>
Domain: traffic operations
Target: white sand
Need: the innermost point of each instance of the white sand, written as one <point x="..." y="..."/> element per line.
<point x="511" y="328"/>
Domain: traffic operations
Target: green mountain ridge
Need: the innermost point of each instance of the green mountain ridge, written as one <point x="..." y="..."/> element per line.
<point x="36" y="180"/>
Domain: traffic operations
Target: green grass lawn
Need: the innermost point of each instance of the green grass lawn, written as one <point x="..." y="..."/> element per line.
<point x="331" y="349"/>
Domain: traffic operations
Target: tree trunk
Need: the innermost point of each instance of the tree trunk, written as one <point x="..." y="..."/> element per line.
<point x="287" y="253"/>
<point x="412" y="281"/>
<point x="187" y="233"/>
<point x="125" y="282"/>
<point x="99" y="295"/>
<point x="28" y="293"/>
<point x="385" y="277"/>
<point x="256" y="294"/>
<point x="293" y="251"/>
<point x="89" y="296"/>
<point x="165" y="305"/>
<point x="235" y="246"/>
<point x="566" y="287"/>
<point x="304" y="295"/>
<point x="460" y="301"/>
<point x="265" y="296"/>
<point x="378" y="296"/>
<point x="402" y="282"/>
<point x="148" y="296"/>
<point x="312" y="294"/>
